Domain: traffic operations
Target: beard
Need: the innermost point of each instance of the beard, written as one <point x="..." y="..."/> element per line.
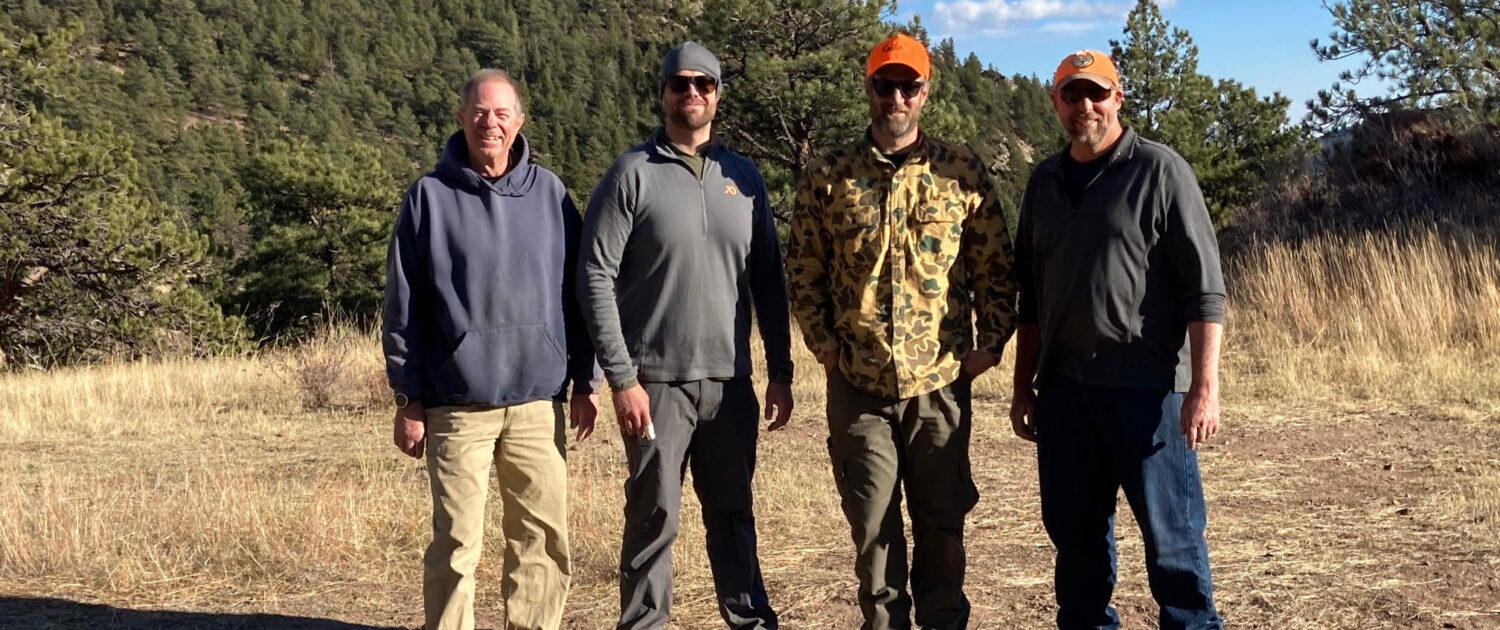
<point x="1079" y="131"/>
<point x="897" y="127"/>
<point x="692" y="120"/>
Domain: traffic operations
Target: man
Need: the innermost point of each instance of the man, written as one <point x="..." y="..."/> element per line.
<point x="482" y="335"/>
<point x="897" y="242"/>
<point x="1122" y="304"/>
<point x="679" y="241"/>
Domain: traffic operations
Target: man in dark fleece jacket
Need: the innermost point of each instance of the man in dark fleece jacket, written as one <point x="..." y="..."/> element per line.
<point x="482" y="336"/>
<point x="679" y="241"/>
<point x="1117" y="352"/>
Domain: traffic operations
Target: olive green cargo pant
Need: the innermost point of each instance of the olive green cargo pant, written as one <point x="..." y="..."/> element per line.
<point x="876" y="445"/>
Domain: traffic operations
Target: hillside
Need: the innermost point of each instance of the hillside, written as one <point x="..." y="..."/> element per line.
<point x="278" y="136"/>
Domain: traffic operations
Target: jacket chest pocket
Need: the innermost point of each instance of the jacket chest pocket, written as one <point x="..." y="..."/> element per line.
<point x="937" y="229"/>
<point x="856" y="224"/>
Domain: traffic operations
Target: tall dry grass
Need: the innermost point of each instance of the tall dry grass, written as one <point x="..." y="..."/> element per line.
<point x="178" y="481"/>
<point x="1405" y="317"/>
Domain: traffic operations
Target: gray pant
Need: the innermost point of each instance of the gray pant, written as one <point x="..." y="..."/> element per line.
<point x="876" y="444"/>
<point x="712" y="426"/>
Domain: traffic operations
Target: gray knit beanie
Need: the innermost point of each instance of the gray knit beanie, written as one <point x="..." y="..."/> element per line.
<point x="690" y="56"/>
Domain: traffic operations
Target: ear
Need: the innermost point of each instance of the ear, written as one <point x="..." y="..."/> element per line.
<point x="521" y="120"/>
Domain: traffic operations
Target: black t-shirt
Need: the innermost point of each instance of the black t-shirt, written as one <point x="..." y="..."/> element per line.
<point x="898" y="158"/>
<point x="1078" y="175"/>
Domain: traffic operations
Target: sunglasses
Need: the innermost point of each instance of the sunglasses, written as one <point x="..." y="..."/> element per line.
<point x="1078" y="90"/>
<point x="885" y="87"/>
<point x="679" y="83"/>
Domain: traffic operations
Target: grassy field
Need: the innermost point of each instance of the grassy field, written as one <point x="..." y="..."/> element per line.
<point x="1356" y="483"/>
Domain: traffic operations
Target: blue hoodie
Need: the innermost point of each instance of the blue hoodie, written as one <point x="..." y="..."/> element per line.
<point x="479" y="298"/>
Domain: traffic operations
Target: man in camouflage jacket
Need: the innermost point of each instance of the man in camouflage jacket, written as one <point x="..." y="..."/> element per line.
<point x="898" y="241"/>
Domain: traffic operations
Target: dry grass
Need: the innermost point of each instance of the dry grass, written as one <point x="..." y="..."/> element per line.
<point x="1356" y="484"/>
<point x="1413" y="318"/>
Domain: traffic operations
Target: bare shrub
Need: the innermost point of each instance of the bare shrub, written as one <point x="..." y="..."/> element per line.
<point x="337" y="368"/>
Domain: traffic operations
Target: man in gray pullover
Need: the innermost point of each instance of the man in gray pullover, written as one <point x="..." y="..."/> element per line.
<point x="678" y="243"/>
<point x="1117" y="352"/>
<point x="482" y="338"/>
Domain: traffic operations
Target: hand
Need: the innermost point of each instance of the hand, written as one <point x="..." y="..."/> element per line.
<point x="977" y="362"/>
<point x="1200" y="415"/>
<point x="633" y="410"/>
<point x="410" y="431"/>
<point x="1023" y="413"/>
<point x="779" y="400"/>
<point x="583" y="410"/>
<point x="830" y="361"/>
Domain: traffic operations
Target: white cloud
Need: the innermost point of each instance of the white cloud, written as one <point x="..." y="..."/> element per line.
<point x="1068" y="28"/>
<point x="995" y="17"/>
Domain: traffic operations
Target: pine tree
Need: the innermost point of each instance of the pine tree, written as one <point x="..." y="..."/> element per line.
<point x="1436" y="53"/>
<point x="321" y="217"/>
<point x="793" y="74"/>
<point x="1229" y="135"/>
<point x="90" y="267"/>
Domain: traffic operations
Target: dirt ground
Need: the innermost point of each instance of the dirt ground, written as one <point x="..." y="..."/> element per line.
<point x="1320" y="516"/>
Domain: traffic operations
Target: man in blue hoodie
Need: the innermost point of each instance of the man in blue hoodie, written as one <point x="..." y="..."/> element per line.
<point x="679" y="242"/>
<point x="482" y="338"/>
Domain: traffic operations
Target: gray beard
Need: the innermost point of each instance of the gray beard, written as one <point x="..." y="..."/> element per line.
<point x="896" y="129"/>
<point x="1080" y="134"/>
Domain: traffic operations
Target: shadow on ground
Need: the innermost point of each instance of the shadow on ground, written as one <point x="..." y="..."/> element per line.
<point x="40" y="613"/>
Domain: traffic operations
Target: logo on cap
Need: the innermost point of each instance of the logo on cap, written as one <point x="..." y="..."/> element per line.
<point x="1083" y="60"/>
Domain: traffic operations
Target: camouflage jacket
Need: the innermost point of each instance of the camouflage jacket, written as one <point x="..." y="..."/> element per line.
<point x="873" y="264"/>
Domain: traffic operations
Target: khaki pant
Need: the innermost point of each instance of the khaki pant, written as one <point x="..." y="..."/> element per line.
<point x="877" y="445"/>
<point x="526" y="442"/>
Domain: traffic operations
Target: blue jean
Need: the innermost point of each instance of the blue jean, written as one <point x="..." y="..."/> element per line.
<point x="1092" y="441"/>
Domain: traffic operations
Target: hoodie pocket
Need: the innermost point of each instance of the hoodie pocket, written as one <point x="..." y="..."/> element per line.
<point x="505" y="364"/>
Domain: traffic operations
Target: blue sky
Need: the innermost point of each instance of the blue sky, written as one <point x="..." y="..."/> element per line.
<point x="1260" y="43"/>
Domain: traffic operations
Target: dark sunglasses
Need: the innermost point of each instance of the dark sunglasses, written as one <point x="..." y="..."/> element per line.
<point x="885" y="87"/>
<point x="1076" y="91"/>
<point x="679" y="83"/>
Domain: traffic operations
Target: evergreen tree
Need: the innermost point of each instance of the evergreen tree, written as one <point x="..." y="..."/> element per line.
<point x="89" y="268"/>
<point x="794" y="78"/>
<point x="1228" y="134"/>
<point x="1435" y="53"/>
<point x="321" y="217"/>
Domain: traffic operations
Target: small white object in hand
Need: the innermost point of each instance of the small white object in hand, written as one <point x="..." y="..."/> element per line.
<point x="650" y="432"/>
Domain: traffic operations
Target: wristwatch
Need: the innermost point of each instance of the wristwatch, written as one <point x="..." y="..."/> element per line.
<point x="402" y="400"/>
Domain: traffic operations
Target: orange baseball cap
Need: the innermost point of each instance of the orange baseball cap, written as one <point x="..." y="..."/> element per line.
<point x="1087" y="64"/>
<point x="903" y="49"/>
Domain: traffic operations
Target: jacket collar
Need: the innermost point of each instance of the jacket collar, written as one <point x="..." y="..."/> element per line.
<point x="662" y="146"/>
<point x="1123" y="151"/>
<point x="866" y="147"/>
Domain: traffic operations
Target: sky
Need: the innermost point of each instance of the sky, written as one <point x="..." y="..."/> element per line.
<point x="1260" y="43"/>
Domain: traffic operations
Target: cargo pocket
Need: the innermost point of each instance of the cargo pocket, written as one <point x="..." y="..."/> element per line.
<point x="857" y="234"/>
<point x="840" y="476"/>
<point x="966" y="493"/>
